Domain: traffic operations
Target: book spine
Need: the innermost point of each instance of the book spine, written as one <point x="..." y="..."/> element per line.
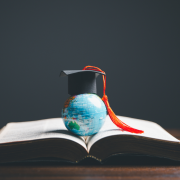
<point x="89" y="156"/>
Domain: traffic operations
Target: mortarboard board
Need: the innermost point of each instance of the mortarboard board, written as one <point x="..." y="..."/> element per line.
<point x="81" y="81"/>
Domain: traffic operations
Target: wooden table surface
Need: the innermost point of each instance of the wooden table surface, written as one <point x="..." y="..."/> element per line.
<point x="118" y="168"/>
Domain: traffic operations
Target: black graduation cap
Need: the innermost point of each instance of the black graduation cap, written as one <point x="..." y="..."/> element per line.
<point x="81" y="81"/>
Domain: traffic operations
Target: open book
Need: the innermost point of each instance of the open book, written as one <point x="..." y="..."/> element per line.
<point x="49" y="138"/>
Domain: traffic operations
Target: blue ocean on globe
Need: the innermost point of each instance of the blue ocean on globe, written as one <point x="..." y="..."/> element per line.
<point x="84" y="114"/>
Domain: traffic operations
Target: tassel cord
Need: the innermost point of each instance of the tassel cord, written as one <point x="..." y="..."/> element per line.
<point x="111" y="114"/>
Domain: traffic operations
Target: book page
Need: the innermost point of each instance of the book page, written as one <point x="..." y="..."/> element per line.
<point x="40" y="129"/>
<point x="151" y="130"/>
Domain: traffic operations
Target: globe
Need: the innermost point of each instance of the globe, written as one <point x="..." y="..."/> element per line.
<point x="84" y="114"/>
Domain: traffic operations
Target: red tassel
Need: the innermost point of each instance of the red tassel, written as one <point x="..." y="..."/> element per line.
<point x="111" y="114"/>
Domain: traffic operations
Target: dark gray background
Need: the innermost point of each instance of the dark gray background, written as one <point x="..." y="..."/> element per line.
<point x="137" y="44"/>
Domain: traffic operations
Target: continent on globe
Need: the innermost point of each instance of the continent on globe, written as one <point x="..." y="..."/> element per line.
<point x="73" y="125"/>
<point x="66" y="104"/>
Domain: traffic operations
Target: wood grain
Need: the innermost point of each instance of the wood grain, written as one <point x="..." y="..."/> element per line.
<point x="90" y="173"/>
<point x="150" y="168"/>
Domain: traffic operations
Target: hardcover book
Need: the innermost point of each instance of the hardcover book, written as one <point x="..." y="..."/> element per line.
<point x="49" y="138"/>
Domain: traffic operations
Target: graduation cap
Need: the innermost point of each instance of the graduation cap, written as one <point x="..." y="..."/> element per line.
<point x="84" y="81"/>
<point x="81" y="81"/>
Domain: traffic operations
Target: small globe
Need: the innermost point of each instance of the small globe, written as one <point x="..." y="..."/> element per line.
<point x="84" y="114"/>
